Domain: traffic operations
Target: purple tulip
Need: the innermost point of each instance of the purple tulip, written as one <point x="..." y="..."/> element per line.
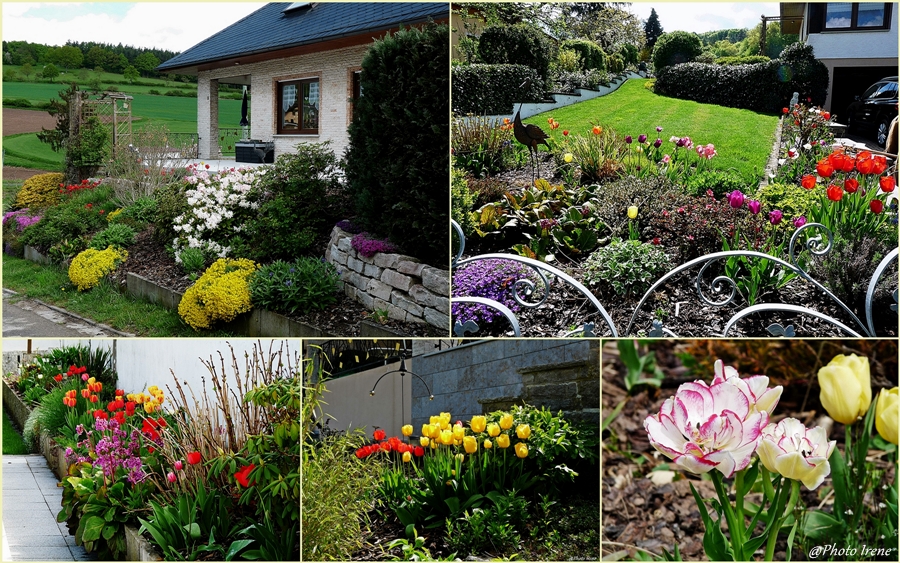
<point x="754" y="206"/>
<point x="799" y="222"/>
<point x="657" y="143"/>
<point x="658" y="129"/>
<point x="642" y="138"/>
<point x="628" y="139"/>
<point x="736" y="199"/>
<point x="775" y="216"/>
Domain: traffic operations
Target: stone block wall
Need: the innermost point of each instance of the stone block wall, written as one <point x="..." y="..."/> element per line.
<point x="485" y="376"/>
<point x="401" y="285"/>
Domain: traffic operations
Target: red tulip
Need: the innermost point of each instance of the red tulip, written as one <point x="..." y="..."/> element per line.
<point x="851" y="185"/>
<point x="880" y="164"/>
<point x="835" y="193"/>
<point x="194" y="458"/>
<point x="565" y="132"/>
<point x="808" y="181"/>
<point x="129" y="408"/>
<point x="120" y="392"/>
<point x="58" y="377"/>
<point x="379" y="434"/>
<point x="120" y="417"/>
<point x="242" y="475"/>
<point x="824" y="168"/>
<point x="887" y="183"/>
<point x="419" y="451"/>
<point x="865" y="165"/>
<point x="826" y="116"/>
<point x="877" y="206"/>
<point x="784" y="110"/>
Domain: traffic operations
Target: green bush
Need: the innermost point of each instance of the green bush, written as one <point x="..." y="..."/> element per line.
<point x="117" y="235"/>
<point x="721" y="182"/>
<point x="808" y="75"/>
<point x="791" y="199"/>
<point x="143" y="210"/>
<point x="293" y="211"/>
<point x="493" y="89"/>
<point x="625" y="268"/>
<point x="79" y="214"/>
<point x="90" y="148"/>
<point x="171" y="202"/>
<point x="396" y="165"/>
<point x="675" y="48"/>
<point x="748" y="60"/>
<point x="629" y="54"/>
<point x="294" y="287"/>
<point x="461" y="202"/>
<point x="517" y="45"/>
<point x="592" y="56"/>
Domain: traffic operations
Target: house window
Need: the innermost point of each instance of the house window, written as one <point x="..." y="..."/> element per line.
<point x="298" y="104"/>
<point x="857" y="15"/>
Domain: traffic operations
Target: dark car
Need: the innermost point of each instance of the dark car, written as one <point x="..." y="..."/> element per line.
<point x="875" y="109"/>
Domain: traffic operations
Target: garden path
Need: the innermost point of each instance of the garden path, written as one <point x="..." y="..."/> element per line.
<point x="27" y="317"/>
<point x="31" y="501"/>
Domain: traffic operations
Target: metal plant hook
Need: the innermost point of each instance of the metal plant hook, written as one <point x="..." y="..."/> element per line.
<point x="402" y="371"/>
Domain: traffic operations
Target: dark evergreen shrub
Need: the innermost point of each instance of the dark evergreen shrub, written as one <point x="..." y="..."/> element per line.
<point x="804" y="73"/>
<point x="592" y="56"/>
<point x="517" y="45"/>
<point x="493" y="89"/>
<point x="398" y="162"/>
<point x="675" y="48"/>
<point x="748" y="60"/>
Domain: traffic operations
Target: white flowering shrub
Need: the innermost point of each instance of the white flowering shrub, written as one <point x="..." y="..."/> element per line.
<point x="220" y="204"/>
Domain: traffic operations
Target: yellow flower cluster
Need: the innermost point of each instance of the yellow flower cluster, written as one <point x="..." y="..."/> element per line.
<point x="92" y="265"/>
<point x="151" y="400"/>
<point x="438" y="431"/>
<point x="221" y="293"/>
<point x="114" y="215"/>
<point x="40" y="191"/>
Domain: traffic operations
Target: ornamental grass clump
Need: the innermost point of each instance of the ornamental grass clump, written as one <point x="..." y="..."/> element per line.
<point x="221" y="293"/>
<point x="92" y="265"/>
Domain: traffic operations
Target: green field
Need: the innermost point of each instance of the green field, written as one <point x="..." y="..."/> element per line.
<point x="743" y="138"/>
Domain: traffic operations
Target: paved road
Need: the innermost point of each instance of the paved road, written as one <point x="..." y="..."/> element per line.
<point x="31" y="501"/>
<point x="28" y="318"/>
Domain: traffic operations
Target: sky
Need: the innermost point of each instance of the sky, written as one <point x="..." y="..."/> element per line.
<point x="705" y="16"/>
<point x="163" y="25"/>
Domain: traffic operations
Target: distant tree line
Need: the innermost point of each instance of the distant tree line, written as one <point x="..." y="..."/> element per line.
<point x="120" y="59"/>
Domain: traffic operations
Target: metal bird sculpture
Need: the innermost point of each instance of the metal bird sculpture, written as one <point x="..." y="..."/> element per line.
<point x="529" y="135"/>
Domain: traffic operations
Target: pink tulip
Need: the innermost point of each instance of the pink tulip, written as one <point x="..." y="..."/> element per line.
<point x="736" y="199"/>
<point x="796" y="452"/>
<point x="754" y="206"/>
<point x="716" y="426"/>
<point x="171" y="477"/>
<point x="179" y="465"/>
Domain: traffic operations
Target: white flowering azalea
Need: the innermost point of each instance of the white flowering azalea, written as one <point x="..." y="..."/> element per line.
<point x="796" y="452"/>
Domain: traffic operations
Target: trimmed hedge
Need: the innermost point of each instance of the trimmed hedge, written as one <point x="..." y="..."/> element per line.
<point x="517" y="45"/>
<point x="397" y="164"/>
<point x="675" y="48"/>
<point x="493" y="89"/>
<point x="749" y="60"/>
<point x="765" y="87"/>
<point x="592" y="56"/>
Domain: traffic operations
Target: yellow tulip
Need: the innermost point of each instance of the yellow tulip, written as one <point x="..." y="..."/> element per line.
<point x="470" y="444"/>
<point x="460" y="457"/>
<point x="426" y="429"/>
<point x="506" y="421"/>
<point x="423" y="441"/>
<point x="458" y="432"/>
<point x="149" y="407"/>
<point x="478" y="424"/>
<point x="493" y="429"/>
<point x="523" y="431"/>
<point x="434" y="421"/>
<point x="407" y="457"/>
<point x="846" y="389"/>
<point x="632" y="212"/>
<point x="446" y="437"/>
<point x="487" y="444"/>
<point x="406" y="429"/>
<point x="434" y="444"/>
<point x="568" y="157"/>
<point x="887" y="412"/>
<point x="435" y="432"/>
<point x="445" y="418"/>
<point x="521" y="450"/>
<point x="503" y="440"/>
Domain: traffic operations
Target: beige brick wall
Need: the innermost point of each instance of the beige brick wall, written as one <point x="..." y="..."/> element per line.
<point x="334" y="71"/>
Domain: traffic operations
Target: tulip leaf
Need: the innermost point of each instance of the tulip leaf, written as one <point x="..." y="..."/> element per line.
<point x="749" y="479"/>
<point x="790" y="540"/>
<point x="818" y="525"/>
<point x="839" y="480"/>
<point x="714" y="542"/>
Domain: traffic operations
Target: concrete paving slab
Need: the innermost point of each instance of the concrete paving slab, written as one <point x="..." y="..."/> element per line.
<point x="40" y="553"/>
<point x="55" y="540"/>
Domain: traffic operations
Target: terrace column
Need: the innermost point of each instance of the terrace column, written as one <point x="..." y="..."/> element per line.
<point x="208" y="117"/>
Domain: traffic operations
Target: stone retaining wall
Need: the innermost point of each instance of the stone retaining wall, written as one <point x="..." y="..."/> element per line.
<point x="401" y="285"/>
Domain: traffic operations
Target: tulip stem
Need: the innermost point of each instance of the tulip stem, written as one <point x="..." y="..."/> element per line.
<point x="773" y="534"/>
<point x="735" y="529"/>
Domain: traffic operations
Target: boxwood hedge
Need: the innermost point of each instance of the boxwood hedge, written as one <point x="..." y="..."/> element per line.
<point x="592" y="56"/>
<point x="493" y="89"/>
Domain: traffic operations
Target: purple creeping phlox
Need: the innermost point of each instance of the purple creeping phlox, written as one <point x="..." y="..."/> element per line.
<point x="368" y="246"/>
<point x="23" y="219"/>
<point x="349" y="226"/>
<point x="491" y="279"/>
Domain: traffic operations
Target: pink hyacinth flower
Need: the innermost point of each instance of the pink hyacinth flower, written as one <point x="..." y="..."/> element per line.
<point x="715" y="426"/>
<point x="796" y="452"/>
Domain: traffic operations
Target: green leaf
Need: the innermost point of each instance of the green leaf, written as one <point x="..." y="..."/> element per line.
<point x="818" y="525"/>
<point x="109" y="531"/>
<point x="193" y="529"/>
<point x="714" y="542"/>
<point x="93" y="526"/>
<point x="235" y="548"/>
<point x="790" y="540"/>
<point x="839" y="479"/>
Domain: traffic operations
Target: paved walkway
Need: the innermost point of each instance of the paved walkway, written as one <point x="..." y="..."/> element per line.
<point x="31" y="501"/>
<point x="31" y="318"/>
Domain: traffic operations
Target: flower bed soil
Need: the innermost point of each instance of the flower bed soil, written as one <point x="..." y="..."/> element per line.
<point x="640" y="513"/>
<point x="148" y="258"/>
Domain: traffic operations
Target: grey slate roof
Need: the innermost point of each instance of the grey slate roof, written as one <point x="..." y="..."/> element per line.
<point x="269" y="28"/>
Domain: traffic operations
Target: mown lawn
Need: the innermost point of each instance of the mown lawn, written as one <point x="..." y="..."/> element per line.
<point x="26" y="151"/>
<point x="743" y="138"/>
<point x="13" y="444"/>
<point x="103" y="303"/>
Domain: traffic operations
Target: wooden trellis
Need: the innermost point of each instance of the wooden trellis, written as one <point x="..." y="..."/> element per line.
<point x="114" y="111"/>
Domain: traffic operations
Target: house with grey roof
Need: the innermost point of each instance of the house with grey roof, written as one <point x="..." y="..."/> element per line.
<point x="301" y="64"/>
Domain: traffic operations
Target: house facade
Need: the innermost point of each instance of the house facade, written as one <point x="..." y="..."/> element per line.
<point x="858" y="42"/>
<point x="301" y="64"/>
